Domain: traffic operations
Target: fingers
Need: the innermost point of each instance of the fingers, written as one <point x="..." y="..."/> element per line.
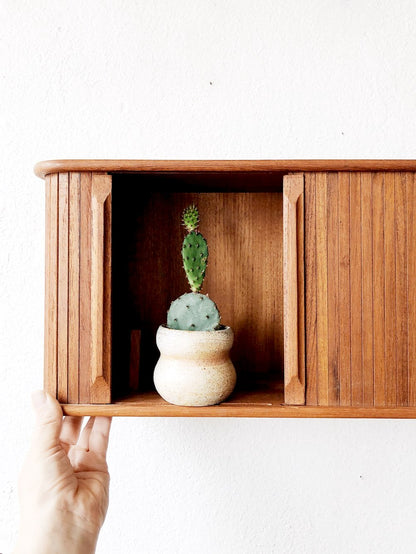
<point x="71" y="428"/>
<point x="48" y="419"/>
<point x="99" y="435"/>
<point x="84" y="439"/>
<point x="94" y="436"/>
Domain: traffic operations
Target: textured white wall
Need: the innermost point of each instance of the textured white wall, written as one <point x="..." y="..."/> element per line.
<point x="205" y="79"/>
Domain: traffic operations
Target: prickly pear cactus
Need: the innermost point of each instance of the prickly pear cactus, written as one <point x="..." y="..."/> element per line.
<point x="194" y="250"/>
<point x="193" y="312"/>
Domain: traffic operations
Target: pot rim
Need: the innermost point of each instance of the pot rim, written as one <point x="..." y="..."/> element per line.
<point x="223" y="329"/>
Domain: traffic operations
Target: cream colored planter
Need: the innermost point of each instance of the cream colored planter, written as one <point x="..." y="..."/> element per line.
<point x="194" y="368"/>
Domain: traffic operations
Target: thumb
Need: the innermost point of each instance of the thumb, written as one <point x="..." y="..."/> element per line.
<point x="48" y="419"/>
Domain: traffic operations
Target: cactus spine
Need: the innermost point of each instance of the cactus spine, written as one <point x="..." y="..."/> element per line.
<point x="193" y="311"/>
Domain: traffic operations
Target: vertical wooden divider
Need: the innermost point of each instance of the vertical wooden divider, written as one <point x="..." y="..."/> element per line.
<point x="100" y="295"/>
<point x="300" y="215"/>
<point x="293" y="263"/>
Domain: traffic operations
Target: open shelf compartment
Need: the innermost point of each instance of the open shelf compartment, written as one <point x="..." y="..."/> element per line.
<point x="242" y="219"/>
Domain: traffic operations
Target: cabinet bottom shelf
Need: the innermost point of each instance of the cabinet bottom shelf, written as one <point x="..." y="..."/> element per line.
<point x="266" y="403"/>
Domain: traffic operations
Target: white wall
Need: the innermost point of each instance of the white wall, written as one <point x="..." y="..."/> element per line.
<point x="205" y="79"/>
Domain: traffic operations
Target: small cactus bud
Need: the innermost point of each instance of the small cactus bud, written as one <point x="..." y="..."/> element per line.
<point x="190" y="218"/>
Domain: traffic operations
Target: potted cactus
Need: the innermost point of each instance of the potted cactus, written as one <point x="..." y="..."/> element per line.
<point x="194" y="368"/>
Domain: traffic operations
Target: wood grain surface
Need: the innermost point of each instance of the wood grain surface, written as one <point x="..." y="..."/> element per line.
<point x="70" y="307"/>
<point x="359" y="291"/>
<point x="133" y="166"/>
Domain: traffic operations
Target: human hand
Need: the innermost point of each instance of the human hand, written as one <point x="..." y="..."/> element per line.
<point x="64" y="483"/>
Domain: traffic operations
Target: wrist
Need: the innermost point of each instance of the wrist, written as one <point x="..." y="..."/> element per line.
<point x="55" y="537"/>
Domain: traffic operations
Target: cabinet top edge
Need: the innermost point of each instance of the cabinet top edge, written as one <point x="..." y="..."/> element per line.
<point x="42" y="169"/>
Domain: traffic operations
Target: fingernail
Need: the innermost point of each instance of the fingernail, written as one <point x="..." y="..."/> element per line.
<point x="39" y="399"/>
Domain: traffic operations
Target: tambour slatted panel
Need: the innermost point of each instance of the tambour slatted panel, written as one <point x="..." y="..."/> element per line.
<point x="68" y="304"/>
<point x="360" y="256"/>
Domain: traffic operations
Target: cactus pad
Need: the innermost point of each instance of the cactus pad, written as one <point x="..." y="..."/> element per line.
<point x="193" y="312"/>
<point x="195" y="257"/>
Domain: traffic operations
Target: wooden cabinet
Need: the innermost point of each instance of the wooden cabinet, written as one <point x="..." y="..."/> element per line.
<point x="311" y="263"/>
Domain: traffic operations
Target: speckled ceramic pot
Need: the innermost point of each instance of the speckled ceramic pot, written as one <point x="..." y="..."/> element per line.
<point x="194" y="368"/>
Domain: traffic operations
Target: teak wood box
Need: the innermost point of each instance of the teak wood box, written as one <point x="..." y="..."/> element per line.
<point x="312" y="262"/>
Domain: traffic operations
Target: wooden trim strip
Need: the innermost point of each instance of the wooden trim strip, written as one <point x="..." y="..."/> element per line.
<point x="300" y="207"/>
<point x="121" y="166"/>
<point x="292" y="193"/>
<point x="144" y="409"/>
